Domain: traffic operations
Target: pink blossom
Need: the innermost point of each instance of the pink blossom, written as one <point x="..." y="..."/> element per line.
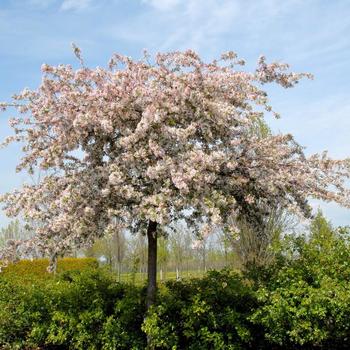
<point x="142" y="141"/>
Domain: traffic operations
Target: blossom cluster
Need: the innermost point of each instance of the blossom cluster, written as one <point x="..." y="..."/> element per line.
<point x="143" y="141"/>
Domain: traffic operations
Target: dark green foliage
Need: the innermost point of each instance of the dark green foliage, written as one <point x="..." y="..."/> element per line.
<point x="300" y="301"/>
<point x="208" y="313"/>
<point x="77" y="310"/>
<point x="305" y="294"/>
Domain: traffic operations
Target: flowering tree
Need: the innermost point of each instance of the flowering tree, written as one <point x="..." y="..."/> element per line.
<point x="144" y="144"/>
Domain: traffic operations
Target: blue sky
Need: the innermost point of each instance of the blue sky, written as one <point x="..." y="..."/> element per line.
<point x="312" y="36"/>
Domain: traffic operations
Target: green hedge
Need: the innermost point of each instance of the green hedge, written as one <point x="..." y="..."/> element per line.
<point x="300" y="301"/>
<point x="77" y="310"/>
<point x="27" y="271"/>
<point x="89" y="310"/>
<point x="208" y="313"/>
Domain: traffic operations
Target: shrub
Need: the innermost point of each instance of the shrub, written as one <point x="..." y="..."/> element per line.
<point x="300" y="301"/>
<point x="208" y="313"/>
<point x="35" y="270"/>
<point x="305" y="299"/>
<point x="76" y="310"/>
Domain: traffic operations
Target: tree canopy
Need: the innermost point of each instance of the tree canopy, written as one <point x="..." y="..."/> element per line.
<point x="155" y="140"/>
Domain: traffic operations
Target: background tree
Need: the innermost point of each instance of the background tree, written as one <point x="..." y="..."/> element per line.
<point x="15" y="231"/>
<point x="225" y="244"/>
<point x="10" y="232"/>
<point x="256" y="247"/>
<point x="200" y="246"/>
<point x="320" y="227"/>
<point x="146" y="143"/>
<point x="113" y="247"/>
<point x="163" y="256"/>
<point x="252" y="244"/>
<point x="178" y="243"/>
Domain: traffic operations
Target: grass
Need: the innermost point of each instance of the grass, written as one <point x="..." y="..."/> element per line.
<point x="28" y="271"/>
<point x="140" y="278"/>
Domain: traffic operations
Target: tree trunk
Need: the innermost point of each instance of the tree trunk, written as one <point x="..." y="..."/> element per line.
<point x="204" y="259"/>
<point x="119" y="271"/>
<point x="152" y="263"/>
<point x="110" y="263"/>
<point x="141" y="272"/>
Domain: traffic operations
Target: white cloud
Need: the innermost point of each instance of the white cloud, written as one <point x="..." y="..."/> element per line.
<point x="65" y="5"/>
<point x="202" y="23"/>
<point x="75" y="5"/>
<point x="163" y="5"/>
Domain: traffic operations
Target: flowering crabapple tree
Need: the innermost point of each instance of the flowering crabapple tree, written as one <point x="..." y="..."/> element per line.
<point x="145" y="143"/>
